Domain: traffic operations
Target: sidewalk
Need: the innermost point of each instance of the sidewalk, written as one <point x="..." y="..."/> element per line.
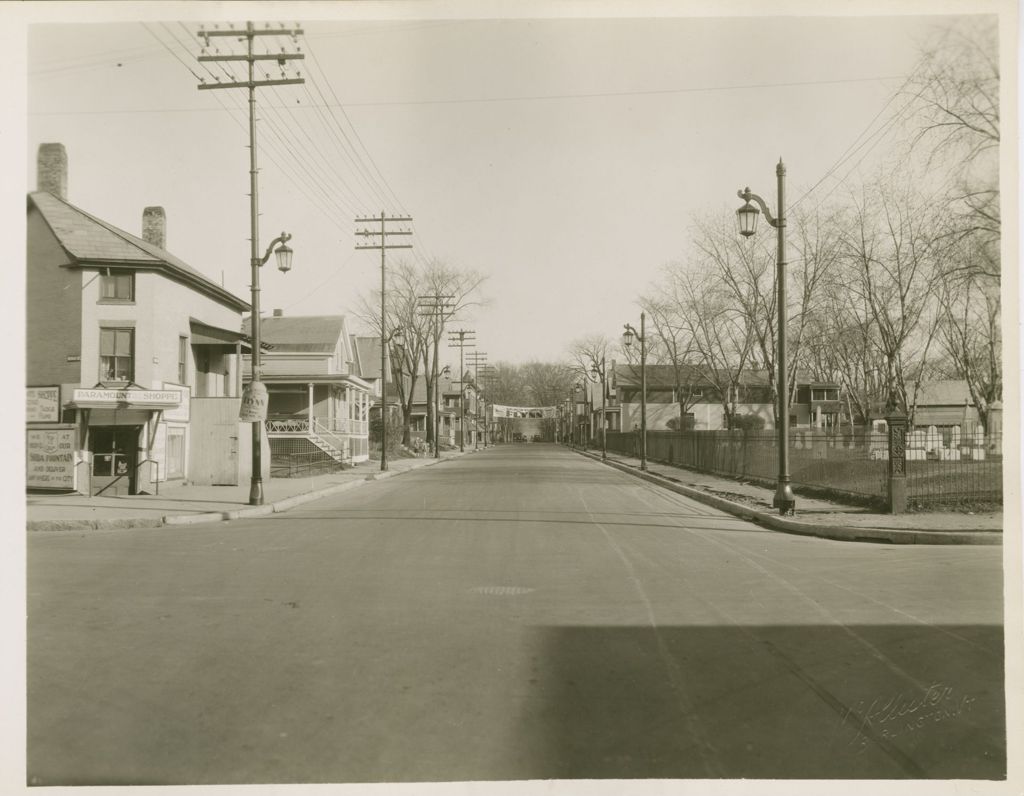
<point x="814" y="516"/>
<point x="186" y="505"/>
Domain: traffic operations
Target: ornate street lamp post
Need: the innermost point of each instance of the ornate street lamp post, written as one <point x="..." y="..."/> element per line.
<point x="257" y="392"/>
<point x="627" y="340"/>
<point x="746" y="217"/>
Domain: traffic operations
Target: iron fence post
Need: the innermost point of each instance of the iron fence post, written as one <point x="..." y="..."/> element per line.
<point x="897" y="424"/>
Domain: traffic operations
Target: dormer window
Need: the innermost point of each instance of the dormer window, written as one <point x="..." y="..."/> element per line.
<point x="117" y="286"/>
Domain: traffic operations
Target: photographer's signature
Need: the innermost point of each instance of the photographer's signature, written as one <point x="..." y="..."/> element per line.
<point x="903" y="713"/>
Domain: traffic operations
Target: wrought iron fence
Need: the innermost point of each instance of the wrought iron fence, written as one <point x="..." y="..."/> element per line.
<point x="296" y="456"/>
<point x="945" y="467"/>
<point x="295" y="465"/>
<point x="854" y="464"/>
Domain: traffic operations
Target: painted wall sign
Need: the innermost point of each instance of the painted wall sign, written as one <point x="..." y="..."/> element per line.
<point x="50" y="458"/>
<point x="42" y="404"/>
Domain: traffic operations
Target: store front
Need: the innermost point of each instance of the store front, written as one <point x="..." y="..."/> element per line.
<point x="122" y="438"/>
<point x="115" y="453"/>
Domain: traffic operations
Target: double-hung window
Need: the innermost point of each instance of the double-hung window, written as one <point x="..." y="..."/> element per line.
<point x="117" y="354"/>
<point x="117" y="286"/>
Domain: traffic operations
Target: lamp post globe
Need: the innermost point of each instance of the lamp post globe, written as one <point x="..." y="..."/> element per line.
<point x="746" y="217"/>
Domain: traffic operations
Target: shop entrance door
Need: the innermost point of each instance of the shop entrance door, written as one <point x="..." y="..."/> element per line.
<point x="114" y="454"/>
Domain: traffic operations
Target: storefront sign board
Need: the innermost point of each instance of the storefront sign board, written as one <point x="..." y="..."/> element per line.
<point x="42" y="404"/>
<point x="134" y="398"/>
<point x="50" y="458"/>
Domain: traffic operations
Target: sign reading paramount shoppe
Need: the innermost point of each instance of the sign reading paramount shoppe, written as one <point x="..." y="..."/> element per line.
<point x="136" y="398"/>
<point x="523" y="411"/>
<point x="50" y="458"/>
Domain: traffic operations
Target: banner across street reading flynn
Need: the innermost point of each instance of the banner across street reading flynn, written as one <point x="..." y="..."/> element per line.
<point x="523" y="411"/>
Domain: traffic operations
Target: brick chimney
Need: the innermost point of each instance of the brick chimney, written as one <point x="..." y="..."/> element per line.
<point x="52" y="170"/>
<point x="154" y="226"/>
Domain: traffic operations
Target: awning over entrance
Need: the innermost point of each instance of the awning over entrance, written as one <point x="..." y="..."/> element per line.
<point x="204" y="334"/>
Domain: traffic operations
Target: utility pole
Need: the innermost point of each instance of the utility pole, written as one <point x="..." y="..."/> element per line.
<point x="255" y="261"/>
<point x="477" y="358"/>
<point x="383" y="245"/>
<point x="460" y="339"/>
<point x="439" y="308"/>
<point x="487" y="377"/>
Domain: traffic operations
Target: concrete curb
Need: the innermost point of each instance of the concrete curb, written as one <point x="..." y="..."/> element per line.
<point x="93" y="525"/>
<point x="837" y="532"/>
<point x="277" y="507"/>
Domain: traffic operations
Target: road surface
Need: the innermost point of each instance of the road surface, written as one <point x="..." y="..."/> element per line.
<point x="519" y="613"/>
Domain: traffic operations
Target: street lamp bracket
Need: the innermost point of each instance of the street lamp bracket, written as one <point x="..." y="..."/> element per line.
<point x="747" y="214"/>
<point x="283" y="252"/>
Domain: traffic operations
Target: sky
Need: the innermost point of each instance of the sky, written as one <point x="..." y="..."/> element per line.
<point x="565" y="159"/>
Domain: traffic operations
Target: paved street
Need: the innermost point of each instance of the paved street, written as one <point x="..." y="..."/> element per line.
<point x="520" y="613"/>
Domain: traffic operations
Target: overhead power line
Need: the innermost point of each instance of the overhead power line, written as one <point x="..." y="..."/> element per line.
<point x="609" y="94"/>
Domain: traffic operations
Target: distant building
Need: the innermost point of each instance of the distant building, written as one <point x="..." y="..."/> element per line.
<point x="317" y="399"/>
<point x="943" y="404"/>
<point x="448" y="410"/>
<point x="132" y="355"/>
<point x="816" y="405"/>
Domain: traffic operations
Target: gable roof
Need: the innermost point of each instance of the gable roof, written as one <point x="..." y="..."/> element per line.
<point x="88" y="240"/>
<point x="368" y="357"/>
<point x="948" y="392"/>
<point x="419" y="393"/>
<point x="310" y="333"/>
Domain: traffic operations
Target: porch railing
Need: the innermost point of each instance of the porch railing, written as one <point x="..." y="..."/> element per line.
<point x="301" y="425"/>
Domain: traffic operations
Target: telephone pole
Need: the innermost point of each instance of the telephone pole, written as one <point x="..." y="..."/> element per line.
<point x="384" y="233"/>
<point x="249" y="34"/>
<point x="460" y="339"/>
<point x="487" y="377"/>
<point x="439" y="308"/>
<point x="477" y="358"/>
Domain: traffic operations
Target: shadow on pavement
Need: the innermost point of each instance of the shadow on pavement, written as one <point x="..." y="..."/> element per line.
<point x="887" y="702"/>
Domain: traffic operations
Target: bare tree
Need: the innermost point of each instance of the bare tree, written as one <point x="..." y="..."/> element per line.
<point x="890" y="248"/>
<point x="956" y="91"/>
<point x="421" y="332"/>
<point x="459" y="290"/>
<point x="721" y="336"/>
<point x="748" y="274"/>
<point x="970" y="334"/>
<point x="672" y="341"/>
<point x="401" y="313"/>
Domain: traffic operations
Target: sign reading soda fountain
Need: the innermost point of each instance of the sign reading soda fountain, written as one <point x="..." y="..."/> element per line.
<point x="50" y="458"/>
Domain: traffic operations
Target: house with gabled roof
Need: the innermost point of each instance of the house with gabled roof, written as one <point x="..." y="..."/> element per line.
<point x="448" y="410"/>
<point x="816" y="404"/>
<point x="318" y="401"/>
<point x="131" y="354"/>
